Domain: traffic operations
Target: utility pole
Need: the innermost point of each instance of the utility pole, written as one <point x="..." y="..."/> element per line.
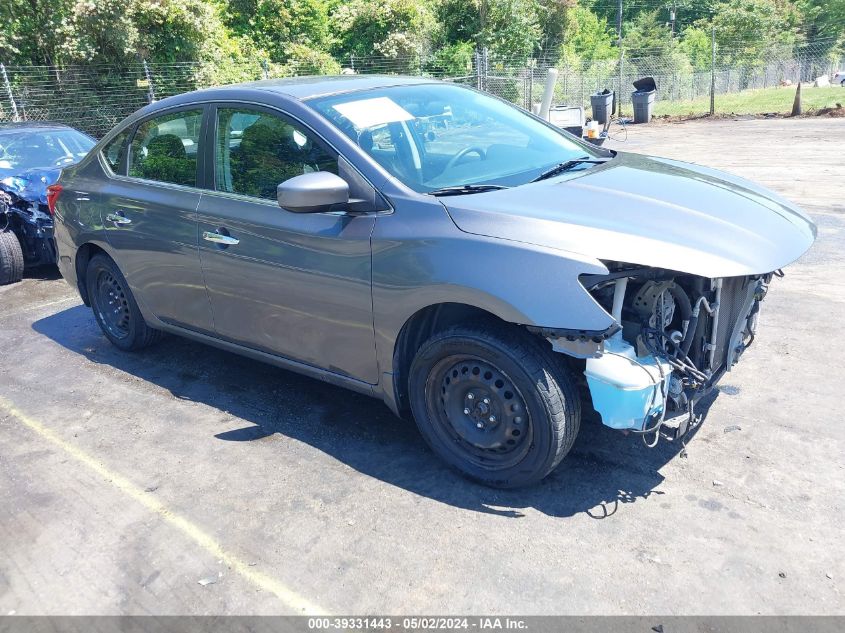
<point x="712" y="67"/>
<point x="672" y="12"/>
<point x="621" y="54"/>
<point x="8" y="87"/>
<point x="151" y="95"/>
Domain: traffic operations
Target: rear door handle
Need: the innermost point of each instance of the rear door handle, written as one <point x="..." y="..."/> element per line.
<point x="118" y="218"/>
<point x="220" y="238"/>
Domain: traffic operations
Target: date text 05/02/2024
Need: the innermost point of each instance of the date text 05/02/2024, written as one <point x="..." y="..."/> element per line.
<point x="417" y="623"/>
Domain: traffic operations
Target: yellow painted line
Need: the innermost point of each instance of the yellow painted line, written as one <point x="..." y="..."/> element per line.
<point x="287" y="596"/>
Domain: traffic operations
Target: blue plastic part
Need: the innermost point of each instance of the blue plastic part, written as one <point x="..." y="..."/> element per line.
<point x="627" y="390"/>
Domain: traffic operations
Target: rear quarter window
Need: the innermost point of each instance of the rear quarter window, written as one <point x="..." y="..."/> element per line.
<point x="115" y="152"/>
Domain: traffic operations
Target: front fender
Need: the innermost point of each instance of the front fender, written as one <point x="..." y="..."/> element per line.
<point x="517" y="282"/>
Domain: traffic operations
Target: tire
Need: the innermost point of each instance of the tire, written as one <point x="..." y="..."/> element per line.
<point x="115" y="308"/>
<point x="11" y="258"/>
<point x="493" y="403"/>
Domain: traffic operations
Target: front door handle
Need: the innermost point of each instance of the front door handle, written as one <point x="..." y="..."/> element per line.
<point x="118" y="218"/>
<point x="220" y="238"/>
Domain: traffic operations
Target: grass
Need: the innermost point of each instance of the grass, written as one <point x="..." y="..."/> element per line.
<point x="759" y="101"/>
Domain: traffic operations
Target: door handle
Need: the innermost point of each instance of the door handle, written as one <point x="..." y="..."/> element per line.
<point x="118" y="218"/>
<point x="219" y="238"/>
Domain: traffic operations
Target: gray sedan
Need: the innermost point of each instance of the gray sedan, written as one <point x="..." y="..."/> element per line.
<point x="432" y="246"/>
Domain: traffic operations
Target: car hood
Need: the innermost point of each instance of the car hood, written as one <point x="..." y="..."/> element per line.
<point x="647" y="211"/>
<point x="31" y="184"/>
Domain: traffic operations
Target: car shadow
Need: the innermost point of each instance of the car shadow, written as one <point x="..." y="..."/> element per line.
<point x="605" y="469"/>
<point x="43" y="272"/>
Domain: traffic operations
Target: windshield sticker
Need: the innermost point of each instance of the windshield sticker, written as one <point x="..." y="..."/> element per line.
<point x="369" y="112"/>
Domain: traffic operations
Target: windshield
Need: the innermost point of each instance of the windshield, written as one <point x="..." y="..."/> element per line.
<point x="28" y="149"/>
<point x="432" y="136"/>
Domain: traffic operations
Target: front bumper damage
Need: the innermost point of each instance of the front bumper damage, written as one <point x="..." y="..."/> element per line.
<point x="674" y="338"/>
<point x="31" y="222"/>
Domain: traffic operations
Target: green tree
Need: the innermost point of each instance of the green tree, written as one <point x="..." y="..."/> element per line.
<point x="510" y="28"/>
<point x="36" y="31"/>
<point x="460" y="21"/>
<point x="273" y="25"/>
<point x="587" y="37"/>
<point x="388" y="28"/>
<point x="452" y="60"/>
<point x="192" y="31"/>
<point x="651" y="48"/>
<point x="696" y="44"/>
<point x="823" y="18"/>
<point x="745" y="29"/>
<point x="304" y="60"/>
<point x="103" y="32"/>
<point x="554" y="18"/>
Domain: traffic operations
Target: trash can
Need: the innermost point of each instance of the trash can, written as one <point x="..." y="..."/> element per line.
<point x="602" y="104"/>
<point x="643" y="99"/>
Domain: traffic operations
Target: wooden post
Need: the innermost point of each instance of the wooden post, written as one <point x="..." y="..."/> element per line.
<point x="621" y="55"/>
<point x="713" y="70"/>
<point x="796" y="105"/>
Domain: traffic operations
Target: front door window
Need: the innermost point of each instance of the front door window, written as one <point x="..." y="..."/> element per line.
<point x="256" y="151"/>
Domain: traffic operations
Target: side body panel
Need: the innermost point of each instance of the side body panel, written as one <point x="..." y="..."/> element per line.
<point x="157" y="249"/>
<point x="297" y="285"/>
<point x="77" y="220"/>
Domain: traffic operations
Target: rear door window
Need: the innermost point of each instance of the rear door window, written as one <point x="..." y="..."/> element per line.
<point x="165" y="148"/>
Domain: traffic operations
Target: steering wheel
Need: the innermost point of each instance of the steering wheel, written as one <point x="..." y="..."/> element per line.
<point x="472" y="149"/>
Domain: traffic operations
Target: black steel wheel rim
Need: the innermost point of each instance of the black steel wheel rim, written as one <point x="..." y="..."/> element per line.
<point x="113" y="305"/>
<point x="478" y="412"/>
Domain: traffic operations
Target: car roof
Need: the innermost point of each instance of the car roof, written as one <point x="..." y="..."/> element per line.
<point x="299" y="88"/>
<point x="34" y="126"/>
<point x="317" y="86"/>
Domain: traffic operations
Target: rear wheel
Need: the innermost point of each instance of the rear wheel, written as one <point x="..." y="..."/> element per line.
<point x="494" y="403"/>
<point x="115" y="308"/>
<point x="11" y="258"/>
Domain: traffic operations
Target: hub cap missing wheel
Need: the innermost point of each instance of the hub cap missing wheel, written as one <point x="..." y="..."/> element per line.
<point x="112" y="305"/>
<point x="477" y="406"/>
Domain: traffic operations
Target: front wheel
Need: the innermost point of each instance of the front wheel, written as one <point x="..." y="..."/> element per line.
<point x="494" y="403"/>
<point x="115" y="308"/>
<point x="11" y="258"/>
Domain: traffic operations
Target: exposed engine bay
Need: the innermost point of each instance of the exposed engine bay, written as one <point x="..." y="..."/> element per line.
<point x="679" y="334"/>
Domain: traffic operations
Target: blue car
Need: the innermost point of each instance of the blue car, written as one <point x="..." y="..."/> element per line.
<point x="32" y="156"/>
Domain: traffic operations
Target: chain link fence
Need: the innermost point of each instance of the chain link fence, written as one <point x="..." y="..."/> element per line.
<point x="95" y="98"/>
<point x="524" y="83"/>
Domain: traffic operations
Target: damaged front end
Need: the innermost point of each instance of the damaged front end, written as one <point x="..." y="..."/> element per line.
<point x="25" y="210"/>
<point x="675" y="336"/>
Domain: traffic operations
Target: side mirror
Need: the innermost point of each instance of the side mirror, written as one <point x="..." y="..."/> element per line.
<point x="316" y="192"/>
